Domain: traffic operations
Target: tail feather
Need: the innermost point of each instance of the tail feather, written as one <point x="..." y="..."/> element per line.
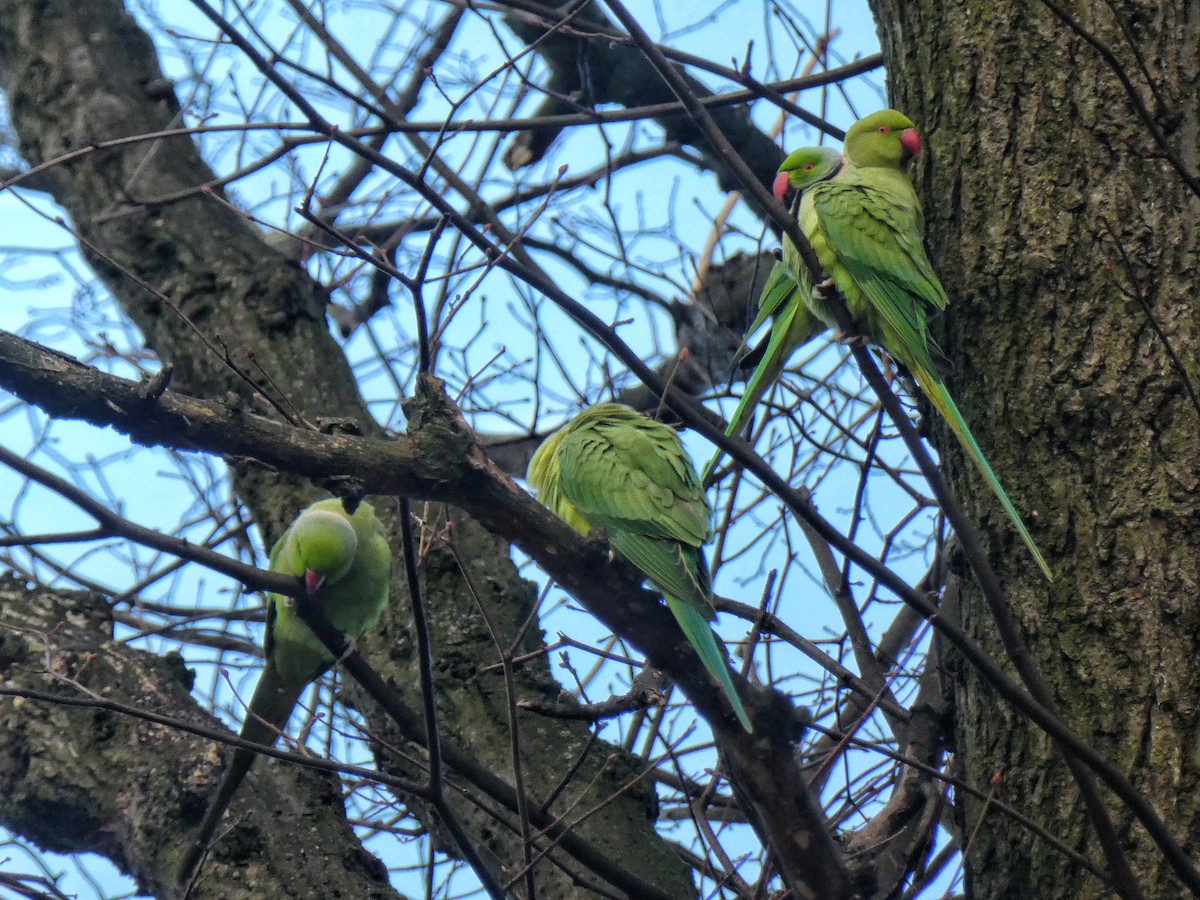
<point x="700" y="636"/>
<point x="269" y="711"/>
<point x="786" y="305"/>
<point x="764" y="376"/>
<point x="944" y="404"/>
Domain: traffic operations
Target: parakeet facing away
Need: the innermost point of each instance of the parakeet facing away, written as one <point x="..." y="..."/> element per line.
<point x="867" y="230"/>
<point x="346" y="564"/>
<point x="610" y="467"/>
<point x="784" y="298"/>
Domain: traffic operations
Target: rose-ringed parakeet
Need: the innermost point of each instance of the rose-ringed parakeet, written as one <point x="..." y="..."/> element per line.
<point x="784" y="298"/>
<point x="346" y="565"/>
<point x="612" y="468"/>
<point x="867" y="230"/>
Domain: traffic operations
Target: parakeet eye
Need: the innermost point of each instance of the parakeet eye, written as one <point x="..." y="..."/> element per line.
<point x="883" y="129"/>
<point x="808" y="167"/>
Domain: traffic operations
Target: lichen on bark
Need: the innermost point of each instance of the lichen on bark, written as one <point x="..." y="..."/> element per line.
<point x="1049" y="215"/>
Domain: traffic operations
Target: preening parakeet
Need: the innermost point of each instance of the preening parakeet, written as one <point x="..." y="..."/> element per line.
<point x="784" y="298"/>
<point x="346" y="564"/>
<point x="867" y="230"/>
<point x="611" y="467"/>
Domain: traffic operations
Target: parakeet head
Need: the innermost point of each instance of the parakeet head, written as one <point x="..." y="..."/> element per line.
<point x="805" y="166"/>
<point x="321" y="546"/>
<point x="883" y="139"/>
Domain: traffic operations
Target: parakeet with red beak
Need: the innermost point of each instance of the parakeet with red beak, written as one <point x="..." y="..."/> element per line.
<point x="346" y="565"/>
<point x="867" y="230"/>
<point x="785" y="296"/>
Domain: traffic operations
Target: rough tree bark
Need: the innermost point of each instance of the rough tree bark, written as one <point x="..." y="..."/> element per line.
<point x="94" y="778"/>
<point x="1069" y="250"/>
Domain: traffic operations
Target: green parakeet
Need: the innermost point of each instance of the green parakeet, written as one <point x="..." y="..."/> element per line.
<point x="784" y="298"/>
<point x="611" y="467"/>
<point x="346" y="564"/>
<point x="867" y="230"/>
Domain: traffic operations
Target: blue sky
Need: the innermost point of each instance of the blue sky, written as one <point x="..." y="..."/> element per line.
<point x="47" y="294"/>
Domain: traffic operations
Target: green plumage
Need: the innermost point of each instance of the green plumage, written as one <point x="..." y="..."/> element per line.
<point x="784" y="299"/>
<point x="346" y="561"/>
<point x="867" y="230"/>
<point x="612" y="468"/>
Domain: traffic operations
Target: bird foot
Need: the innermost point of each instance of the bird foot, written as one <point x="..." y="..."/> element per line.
<point x="845" y="339"/>
<point x="598" y="544"/>
<point x="824" y="292"/>
<point x="351" y="646"/>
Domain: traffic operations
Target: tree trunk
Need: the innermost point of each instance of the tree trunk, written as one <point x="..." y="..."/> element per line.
<point x="1067" y="246"/>
<point x="90" y="777"/>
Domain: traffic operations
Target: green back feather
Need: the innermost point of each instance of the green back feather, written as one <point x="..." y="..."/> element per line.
<point x="630" y="476"/>
<point x="611" y="467"/>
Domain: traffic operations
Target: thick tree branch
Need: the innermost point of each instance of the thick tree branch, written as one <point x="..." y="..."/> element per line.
<point x="104" y="783"/>
<point x="196" y="278"/>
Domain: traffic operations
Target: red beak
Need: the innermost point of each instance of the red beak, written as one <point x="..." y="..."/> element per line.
<point x="781" y="185"/>
<point x="911" y="141"/>
<point x="312" y="581"/>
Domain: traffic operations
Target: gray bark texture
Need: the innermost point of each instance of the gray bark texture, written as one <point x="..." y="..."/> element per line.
<point x="89" y="777"/>
<point x="1068" y="246"/>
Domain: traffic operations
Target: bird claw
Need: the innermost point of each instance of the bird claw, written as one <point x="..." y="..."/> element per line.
<point x="824" y="292"/>
<point x="607" y="548"/>
<point x="351" y="646"/>
<point x="846" y="339"/>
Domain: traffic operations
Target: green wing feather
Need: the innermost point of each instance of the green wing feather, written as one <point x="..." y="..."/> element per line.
<point x="631" y="477"/>
<point x="872" y="220"/>
<point x="613" y="468"/>
<point x="357" y="564"/>
<point x="779" y="289"/>
<point x="624" y="470"/>
<point x="868" y="223"/>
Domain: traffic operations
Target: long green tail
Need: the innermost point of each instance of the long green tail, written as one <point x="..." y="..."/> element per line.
<point x="700" y="636"/>
<point x="944" y="404"/>
<point x="780" y="299"/>
<point x="269" y="711"/>
<point x="764" y="376"/>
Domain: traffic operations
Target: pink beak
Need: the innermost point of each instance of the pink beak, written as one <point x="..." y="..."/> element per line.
<point x="911" y="141"/>
<point x="781" y="185"/>
<point x="312" y="581"/>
